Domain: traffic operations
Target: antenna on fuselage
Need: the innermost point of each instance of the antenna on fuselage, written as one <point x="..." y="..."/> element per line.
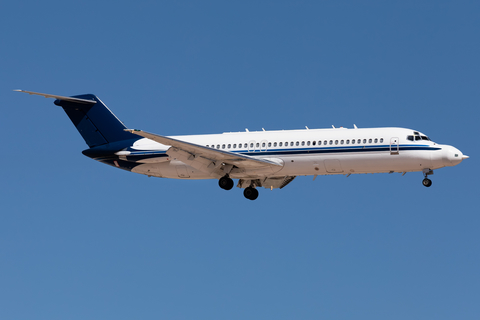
<point x="355" y="126"/>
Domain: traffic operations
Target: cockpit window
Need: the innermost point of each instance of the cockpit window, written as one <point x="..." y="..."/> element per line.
<point x="418" y="137"/>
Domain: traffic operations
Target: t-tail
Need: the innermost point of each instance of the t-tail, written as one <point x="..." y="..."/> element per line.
<point x="103" y="132"/>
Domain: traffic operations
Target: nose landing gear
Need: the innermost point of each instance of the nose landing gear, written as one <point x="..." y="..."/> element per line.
<point x="427" y="182"/>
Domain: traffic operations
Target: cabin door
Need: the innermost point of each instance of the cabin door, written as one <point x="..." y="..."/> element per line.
<point x="394" y="146"/>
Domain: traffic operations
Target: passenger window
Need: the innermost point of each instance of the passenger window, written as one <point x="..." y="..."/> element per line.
<point x="223" y="146"/>
<point x="342" y="141"/>
<point x="258" y="144"/>
<point x="314" y="143"/>
<point x="263" y="145"/>
<point x="245" y="146"/>
<point x="297" y="143"/>
<point x="270" y="144"/>
<point x="376" y="140"/>
<point x="348" y="141"/>
<point x="229" y="146"/>
<point x="353" y="141"/>
<point x="308" y="143"/>
<point x="336" y="141"/>
<point x="303" y="143"/>
<point x="359" y="141"/>
<point x="381" y="140"/>
<point x="331" y="141"/>
<point x="291" y="144"/>
<point x="325" y="142"/>
<point x="251" y="145"/>
<point x="234" y="146"/>
<point x="280" y="144"/>
<point x="274" y="144"/>
<point x="369" y="140"/>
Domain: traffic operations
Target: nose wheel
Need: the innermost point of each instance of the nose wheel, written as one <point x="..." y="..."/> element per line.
<point x="427" y="182"/>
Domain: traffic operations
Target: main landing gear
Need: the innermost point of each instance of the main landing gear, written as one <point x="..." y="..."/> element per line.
<point x="427" y="182"/>
<point x="226" y="183"/>
<point x="250" y="193"/>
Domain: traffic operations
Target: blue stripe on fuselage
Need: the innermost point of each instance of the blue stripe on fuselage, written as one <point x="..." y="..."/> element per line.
<point x="147" y="154"/>
<point x="299" y="151"/>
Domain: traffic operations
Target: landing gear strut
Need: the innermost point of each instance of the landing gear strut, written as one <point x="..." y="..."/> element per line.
<point x="250" y="193"/>
<point x="225" y="183"/>
<point x="427" y="182"/>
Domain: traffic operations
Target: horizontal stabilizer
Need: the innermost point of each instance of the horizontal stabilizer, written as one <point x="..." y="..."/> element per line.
<point x="71" y="99"/>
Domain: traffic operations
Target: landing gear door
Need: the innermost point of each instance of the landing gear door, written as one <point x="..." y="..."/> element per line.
<point x="394" y="146"/>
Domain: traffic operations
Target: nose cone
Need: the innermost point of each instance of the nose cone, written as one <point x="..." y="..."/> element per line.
<point x="452" y="156"/>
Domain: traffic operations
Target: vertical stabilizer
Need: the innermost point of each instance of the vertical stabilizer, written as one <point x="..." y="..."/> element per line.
<point x="93" y="120"/>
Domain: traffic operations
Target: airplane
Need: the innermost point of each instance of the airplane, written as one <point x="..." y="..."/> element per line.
<point x="269" y="159"/>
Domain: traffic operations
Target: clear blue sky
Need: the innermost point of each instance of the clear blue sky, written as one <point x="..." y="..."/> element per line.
<point x="82" y="240"/>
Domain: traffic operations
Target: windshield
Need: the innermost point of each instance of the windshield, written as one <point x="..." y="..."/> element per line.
<point x="418" y="136"/>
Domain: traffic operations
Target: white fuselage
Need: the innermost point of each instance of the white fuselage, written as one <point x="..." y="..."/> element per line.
<point x="309" y="152"/>
<point x="269" y="159"/>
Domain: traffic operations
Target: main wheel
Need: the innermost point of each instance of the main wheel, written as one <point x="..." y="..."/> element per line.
<point x="427" y="182"/>
<point x="250" y="193"/>
<point x="225" y="183"/>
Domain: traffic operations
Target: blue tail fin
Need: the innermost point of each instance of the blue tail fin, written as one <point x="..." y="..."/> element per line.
<point x="95" y="122"/>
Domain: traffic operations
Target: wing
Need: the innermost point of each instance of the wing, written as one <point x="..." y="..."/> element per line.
<point x="208" y="159"/>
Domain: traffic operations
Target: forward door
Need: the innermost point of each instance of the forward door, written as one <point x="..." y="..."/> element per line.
<point x="394" y="146"/>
